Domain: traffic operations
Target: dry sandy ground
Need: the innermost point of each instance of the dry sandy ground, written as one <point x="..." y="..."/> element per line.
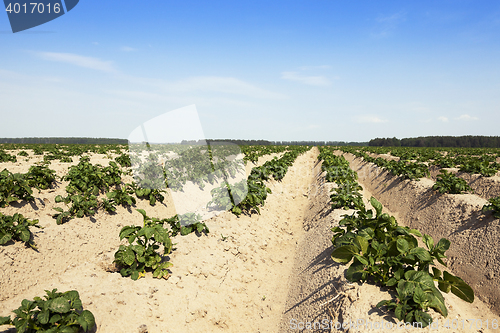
<point x="474" y="236"/>
<point x="320" y="296"/>
<point x="259" y="273"/>
<point x="233" y="279"/>
<point x="485" y="187"/>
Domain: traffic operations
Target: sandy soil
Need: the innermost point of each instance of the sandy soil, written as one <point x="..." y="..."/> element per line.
<point x="259" y="273"/>
<point x="485" y="187"/>
<point x="473" y="254"/>
<point x="233" y="279"/>
<point x="321" y="297"/>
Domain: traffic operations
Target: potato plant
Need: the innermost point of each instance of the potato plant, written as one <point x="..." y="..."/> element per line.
<point x="494" y="206"/>
<point x="88" y="178"/>
<point x="58" y="312"/>
<point x="141" y="253"/>
<point x="124" y="160"/>
<point x="337" y="169"/>
<point x="252" y="193"/>
<point x="186" y="224"/>
<point x="14" y="187"/>
<point x="79" y="206"/>
<point x="447" y="182"/>
<point x="17" y="227"/>
<point x="6" y="157"/>
<point x="255" y="197"/>
<point x="388" y="254"/>
<point x="119" y="197"/>
<point x="152" y="195"/>
<point x="346" y="196"/>
<point x="252" y="153"/>
<point x="476" y="165"/>
<point x="40" y="177"/>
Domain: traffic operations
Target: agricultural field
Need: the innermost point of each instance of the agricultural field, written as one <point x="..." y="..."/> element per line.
<point x="223" y="238"/>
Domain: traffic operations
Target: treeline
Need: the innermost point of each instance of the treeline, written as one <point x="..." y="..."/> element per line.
<point x="319" y="143"/>
<point x="276" y="143"/>
<point x="237" y="142"/>
<point x="468" y="141"/>
<point x="66" y="141"/>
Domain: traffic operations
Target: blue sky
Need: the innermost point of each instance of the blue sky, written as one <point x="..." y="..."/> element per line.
<point x="277" y="70"/>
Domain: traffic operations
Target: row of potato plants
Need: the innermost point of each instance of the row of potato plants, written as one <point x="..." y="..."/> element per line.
<point x="63" y="153"/>
<point x="58" y="312"/>
<point x="251" y="193"/>
<point x="18" y="186"/>
<point x="402" y="168"/>
<point x="470" y="160"/>
<point x="446" y="181"/>
<point x="144" y="242"/>
<point x="252" y="153"/>
<point x="346" y="195"/>
<point x="381" y="251"/>
<point x="63" y="312"/>
<point x="197" y="164"/>
<point x="200" y="164"/>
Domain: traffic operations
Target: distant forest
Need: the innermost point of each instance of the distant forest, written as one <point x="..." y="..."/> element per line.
<point x="103" y="141"/>
<point x="468" y="141"/>
<point x="280" y="143"/>
<point x="66" y="141"/>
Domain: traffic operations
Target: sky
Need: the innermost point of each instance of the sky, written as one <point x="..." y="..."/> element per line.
<point x="325" y="70"/>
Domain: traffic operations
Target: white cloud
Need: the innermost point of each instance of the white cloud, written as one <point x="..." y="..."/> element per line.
<point x="443" y="119"/>
<point x="78" y="60"/>
<point x="309" y="80"/>
<point x="210" y="84"/>
<point x="466" y="117"/>
<point x="228" y="85"/>
<point x="370" y="119"/>
<point x="128" y="49"/>
<point x="307" y="68"/>
<point x="387" y="24"/>
<point x="392" y="19"/>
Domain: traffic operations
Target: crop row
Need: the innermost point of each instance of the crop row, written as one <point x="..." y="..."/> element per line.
<point x="251" y="193"/>
<point x="252" y="153"/>
<point x="147" y="244"/>
<point x="387" y="254"/>
<point x="470" y="160"/>
<point x="446" y="181"/>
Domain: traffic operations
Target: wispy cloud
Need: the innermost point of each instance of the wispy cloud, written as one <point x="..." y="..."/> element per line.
<point x="387" y="24"/>
<point x="309" y="80"/>
<point x="392" y="19"/>
<point x="228" y="85"/>
<point x="307" y="68"/>
<point x="466" y="117"/>
<point x="210" y="84"/>
<point x="127" y="49"/>
<point x="78" y="60"/>
<point x="370" y="119"/>
<point x="443" y="119"/>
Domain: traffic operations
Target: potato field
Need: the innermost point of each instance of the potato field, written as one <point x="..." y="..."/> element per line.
<point x="226" y="238"/>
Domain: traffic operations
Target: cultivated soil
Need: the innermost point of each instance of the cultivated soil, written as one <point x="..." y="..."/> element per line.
<point x="261" y="273"/>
